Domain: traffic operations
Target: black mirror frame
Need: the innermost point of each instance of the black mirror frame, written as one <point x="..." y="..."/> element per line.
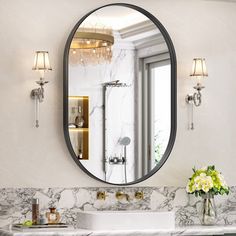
<point x="173" y="92"/>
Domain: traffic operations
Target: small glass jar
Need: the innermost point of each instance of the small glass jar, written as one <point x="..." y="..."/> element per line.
<point x="42" y="219"/>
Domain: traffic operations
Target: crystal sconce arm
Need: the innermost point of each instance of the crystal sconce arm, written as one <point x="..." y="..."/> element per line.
<point x="198" y="71"/>
<point x="196" y="98"/>
<point x="41" y="64"/>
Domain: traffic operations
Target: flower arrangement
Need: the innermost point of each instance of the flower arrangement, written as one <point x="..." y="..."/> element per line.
<point x="207" y="180"/>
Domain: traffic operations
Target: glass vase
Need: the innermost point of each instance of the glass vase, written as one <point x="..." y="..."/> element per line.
<point x="207" y="211"/>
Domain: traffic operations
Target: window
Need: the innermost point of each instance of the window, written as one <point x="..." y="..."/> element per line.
<point x="156" y="108"/>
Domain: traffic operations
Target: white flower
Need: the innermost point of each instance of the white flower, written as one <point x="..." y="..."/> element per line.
<point x="203" y="175"/>
<point x="203" y="182"/>
<point x="222" y="180"/>
<point x="205" y="188"/>
<point x="205" y="179"/>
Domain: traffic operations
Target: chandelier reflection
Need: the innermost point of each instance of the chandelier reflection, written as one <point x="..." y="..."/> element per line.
<point x="92" y="46"/>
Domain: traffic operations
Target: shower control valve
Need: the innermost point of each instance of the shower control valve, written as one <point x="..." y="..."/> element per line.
<point x="116" y="160"/>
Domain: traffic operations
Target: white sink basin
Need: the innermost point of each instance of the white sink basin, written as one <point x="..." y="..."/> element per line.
<point x="125" y="220"/>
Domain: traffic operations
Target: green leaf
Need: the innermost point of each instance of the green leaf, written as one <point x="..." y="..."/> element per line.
<point x="215" y="190"/>
<point x="210" y="168"/>
<point x="227" y="191"/>
<point x="222" y="191"/>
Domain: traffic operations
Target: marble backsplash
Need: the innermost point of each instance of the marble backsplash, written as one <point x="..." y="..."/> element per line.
<point x="15" y="203"/>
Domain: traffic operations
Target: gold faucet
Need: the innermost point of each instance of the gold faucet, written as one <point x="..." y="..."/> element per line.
<point x="101" y="195"/>
<point x="139" y="195"/>
<point x="121" y="195"/>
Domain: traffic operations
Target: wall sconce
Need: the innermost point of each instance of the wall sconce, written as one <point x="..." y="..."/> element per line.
<point x="41" y="64"/>
<point x="198" y="71"/>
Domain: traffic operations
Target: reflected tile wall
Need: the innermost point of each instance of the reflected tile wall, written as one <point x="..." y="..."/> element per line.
<point x="88" y="81"/>
<point x="15" y="203"/>
<point x="120" y="124"/>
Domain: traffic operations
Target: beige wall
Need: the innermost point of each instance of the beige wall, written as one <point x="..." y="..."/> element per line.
<point x="31" y="157"/>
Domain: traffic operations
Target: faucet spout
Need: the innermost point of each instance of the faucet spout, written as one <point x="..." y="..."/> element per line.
<point x="121" y="195"/>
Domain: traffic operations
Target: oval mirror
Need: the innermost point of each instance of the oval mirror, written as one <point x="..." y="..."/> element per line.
<point x="119" y="94"/>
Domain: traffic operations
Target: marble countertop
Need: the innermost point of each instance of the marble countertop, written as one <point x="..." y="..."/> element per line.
<point x="188" y="230"/>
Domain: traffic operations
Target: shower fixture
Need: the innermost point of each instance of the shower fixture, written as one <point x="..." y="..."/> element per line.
<point x="116" y="160"/>
<point x="115" y="83"/>
<point x="125" y="142"/>
<point x="111" y="159"/>
<point x="112" y="82"/>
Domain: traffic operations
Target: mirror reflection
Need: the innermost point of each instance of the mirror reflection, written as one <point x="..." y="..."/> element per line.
<point x="119" y="87"/>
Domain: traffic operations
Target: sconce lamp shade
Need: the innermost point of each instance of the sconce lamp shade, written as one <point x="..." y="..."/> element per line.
<point x="199" y="68"/>
<point x="41" y="61"/>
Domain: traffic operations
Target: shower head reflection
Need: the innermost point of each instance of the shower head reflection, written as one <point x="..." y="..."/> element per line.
<point x="124" y="141"/>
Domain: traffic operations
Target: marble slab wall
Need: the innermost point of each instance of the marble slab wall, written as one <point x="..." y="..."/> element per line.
<point x="119" y="125"/>
<point x="15" y="203"/>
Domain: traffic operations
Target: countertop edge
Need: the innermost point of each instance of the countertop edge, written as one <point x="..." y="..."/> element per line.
<point x="184" y="230"/>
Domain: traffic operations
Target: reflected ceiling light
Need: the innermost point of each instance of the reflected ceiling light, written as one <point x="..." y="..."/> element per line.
<point x="92" y="46"/>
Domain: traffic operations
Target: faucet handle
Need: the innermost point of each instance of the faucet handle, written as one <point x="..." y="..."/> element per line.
<point x="101" y="195"/>
<point x="139" y="195"/>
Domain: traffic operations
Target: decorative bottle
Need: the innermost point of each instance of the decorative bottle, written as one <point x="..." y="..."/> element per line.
<point x="35" y="211"/>
<point x="79" y="120"/>
<point x="53" y="216"/>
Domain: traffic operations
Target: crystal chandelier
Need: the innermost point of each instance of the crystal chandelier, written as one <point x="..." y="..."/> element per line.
<point x="92" y="46"/>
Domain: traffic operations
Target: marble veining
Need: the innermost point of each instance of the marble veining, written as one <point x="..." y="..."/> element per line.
<point x="15" y="203"/>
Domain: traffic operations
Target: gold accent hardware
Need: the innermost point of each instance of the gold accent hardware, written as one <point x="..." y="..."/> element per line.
<point x="139" y="195"/>
<point x="121" y="195"/>
<point x="78" y="97"/>
<point x="101" y="195"/>
<point x="79" y="129"/>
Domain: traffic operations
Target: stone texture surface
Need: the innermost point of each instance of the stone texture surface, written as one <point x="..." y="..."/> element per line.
<point x="15" y="203"/>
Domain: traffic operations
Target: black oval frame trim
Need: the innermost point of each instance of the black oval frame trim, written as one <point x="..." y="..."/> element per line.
<point x="173" y="92"/>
